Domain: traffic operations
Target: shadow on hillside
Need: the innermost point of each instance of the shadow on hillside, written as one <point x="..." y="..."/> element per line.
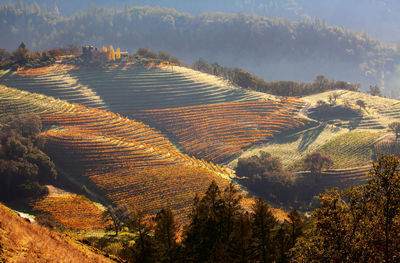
<point x="309" y="137"/>
<point x="327" y="113"/>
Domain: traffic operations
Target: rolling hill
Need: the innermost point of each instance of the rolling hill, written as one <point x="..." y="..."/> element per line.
<point x="128" y="90"/>
<point x="127" y="160"/>
<point x="23" y="241"/>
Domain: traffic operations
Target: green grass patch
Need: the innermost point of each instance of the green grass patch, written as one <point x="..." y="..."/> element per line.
<point x="351" y="149"/>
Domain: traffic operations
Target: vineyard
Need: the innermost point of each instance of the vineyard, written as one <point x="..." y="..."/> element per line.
<point x="377" y="113"/>
<point x="130" y="162"/>
<point x="127" y="90"/>
<point x="295" y="146"/>
<point x="351" y="149"/>
<point x="72" y="211"/>
<point x="342" y="178"/>
<point x="387" y="147"/>
<point x="219" y="132"/>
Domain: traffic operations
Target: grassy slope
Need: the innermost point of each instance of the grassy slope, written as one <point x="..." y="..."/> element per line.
<point x="293" y="147"/>
<point x="351" y="149"/>
<point x="21" y="241"/>
<point x="348" y="149"/>
<point x="378" y="110"/>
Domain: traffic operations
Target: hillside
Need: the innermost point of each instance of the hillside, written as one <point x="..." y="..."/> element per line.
<point x="347" y="133"/>
<point x="129" y="89"/>
<point x="126" y="160"/>
<point x="176" y="100"/>
<point x="22" y="241"/>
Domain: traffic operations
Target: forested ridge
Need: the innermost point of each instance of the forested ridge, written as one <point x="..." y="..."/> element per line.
<point x="248" y="39"/>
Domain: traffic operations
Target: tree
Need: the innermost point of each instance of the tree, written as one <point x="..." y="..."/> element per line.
<point x="361" y="104"/>
<point x="118" y="55"/>
<point x="383" y="191"/>
<point x="212" y="222"/>
<point x="395" y="128"/>
<point x="111" y="54"/>
<point x="295" y="223"/>
<point x="165" y="236"/>
<point x="360" y="224"/>
<point x="263" y="224"/>
<point x="316" y="161"/>
<point x="119" y="216"/>
<point x="144" y="249"/>
<point x="374" y="90"/>
<point x="24" y="168"/>
<point x="240" y="244"/>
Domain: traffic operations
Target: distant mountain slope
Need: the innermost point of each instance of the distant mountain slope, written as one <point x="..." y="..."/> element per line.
<point x="336" y="12"/>
<point x="21" y="241"/>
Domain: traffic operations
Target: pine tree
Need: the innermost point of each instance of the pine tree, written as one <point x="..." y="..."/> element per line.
<point x="144" y="249"/>
<point x="263" y="224"/>
<point x="165" y="235"/>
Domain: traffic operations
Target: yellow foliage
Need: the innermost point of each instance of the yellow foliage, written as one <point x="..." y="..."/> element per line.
<point x="118" y="55"/>
<point x="105" y="49"/>
<point x="111" y="54"/>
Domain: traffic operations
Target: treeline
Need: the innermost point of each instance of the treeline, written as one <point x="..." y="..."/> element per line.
<point x="281" y="88"/>
<point x="248" y="37"/>
<point x="359" y="224"/>
<point x="23" y="57"/>
<point x="265" y="176"/>
<point x="24" y="168"/>
<point x="161" y="56"/>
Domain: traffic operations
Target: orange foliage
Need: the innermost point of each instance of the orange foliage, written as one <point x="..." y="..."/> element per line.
<point x="217" y="132"/>
<point x="55" y="68"/>
<point x="72" y="211"/>
<point x="21" y="241"/>
<point x="130" y="162"/>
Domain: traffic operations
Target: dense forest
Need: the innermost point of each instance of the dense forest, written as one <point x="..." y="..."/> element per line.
<point x="273" y="48"/>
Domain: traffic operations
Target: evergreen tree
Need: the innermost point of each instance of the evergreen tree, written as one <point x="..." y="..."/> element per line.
<point x="263" y="228"/>
<point x="165" y="236"/>
<point x="144" y="249"/>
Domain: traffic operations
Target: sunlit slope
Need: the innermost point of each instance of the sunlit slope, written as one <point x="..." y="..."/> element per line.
<point x="132" y="163"/>
<point x="377" y="114"/>
<point x="218" y="132"/>
<point x="54" y="81"/>
<point x="72" y="211"/>
<point x="21" y="241"/>
<point x="127" y="90"/>
<point x="294" y="147"/>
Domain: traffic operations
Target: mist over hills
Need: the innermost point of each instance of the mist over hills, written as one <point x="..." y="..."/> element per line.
<point x="352" y="14"/>
<point x="273" y="48"/>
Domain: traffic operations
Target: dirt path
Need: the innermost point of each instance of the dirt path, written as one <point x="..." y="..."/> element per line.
<point x="304" y="110"/>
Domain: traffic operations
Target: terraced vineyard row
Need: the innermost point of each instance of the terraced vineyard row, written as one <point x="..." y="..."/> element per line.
<point x="72" y="211"/>
<point x="351" y="149"/>
<point x="342" y="178"/>
<point x="377" y="114"/>
<point x="387" y="148"/>
<point x="54" y="83"/>
<point x="127" y="90"/>
<point x="219" y="132"/>
<point x="346" y="177"/>
<point x="132" y="163"/>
